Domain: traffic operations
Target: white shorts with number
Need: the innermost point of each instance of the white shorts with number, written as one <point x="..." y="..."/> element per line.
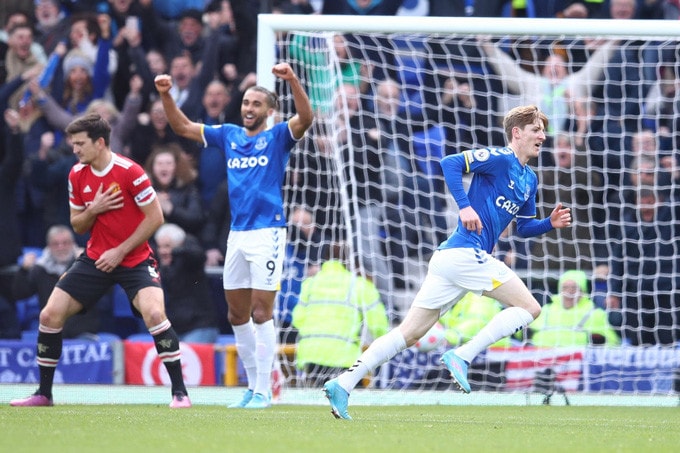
<point x="255" y="259"/>
<point x="454" y="272"/>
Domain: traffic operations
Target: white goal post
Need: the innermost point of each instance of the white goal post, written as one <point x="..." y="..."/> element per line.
<point x="618" y="107"/>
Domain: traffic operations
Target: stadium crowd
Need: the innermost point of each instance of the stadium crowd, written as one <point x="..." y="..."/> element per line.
<point x="60" y="59"/>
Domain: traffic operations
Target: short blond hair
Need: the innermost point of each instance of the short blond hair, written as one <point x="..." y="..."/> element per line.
<point x="522" y="116"/>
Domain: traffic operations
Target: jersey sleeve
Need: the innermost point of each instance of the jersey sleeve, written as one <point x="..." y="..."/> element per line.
<point x="284" y="134"/>
<point x="213" y="135"/>
<point x="74" y="195"/>
<point x="453" y="167"/>
<point x="142" y="190"/>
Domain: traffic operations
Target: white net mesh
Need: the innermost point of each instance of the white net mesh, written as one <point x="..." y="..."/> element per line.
<point x="390" y="105"/>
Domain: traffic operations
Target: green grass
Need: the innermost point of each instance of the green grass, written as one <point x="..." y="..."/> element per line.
<point x="136" y="428"/>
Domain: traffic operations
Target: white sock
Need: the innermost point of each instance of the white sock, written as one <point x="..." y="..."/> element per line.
<point x="265" y="351"/>
<point x="379" y="352"/>
<point x="245" y="346"/>
<point x="505" y="323"/>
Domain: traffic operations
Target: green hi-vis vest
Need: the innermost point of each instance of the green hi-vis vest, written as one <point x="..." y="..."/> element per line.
<point x="468" y="316"/>
<point x="557" y="326"/>
<point x="333" y="306"/>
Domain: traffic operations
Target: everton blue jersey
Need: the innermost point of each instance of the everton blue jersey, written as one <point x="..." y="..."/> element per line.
<point x="256" y="167"/>
<point x="501" y="189"/>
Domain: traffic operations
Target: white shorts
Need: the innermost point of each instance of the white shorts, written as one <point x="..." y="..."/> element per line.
<point x="255" y="259"/>
<point x="452" y="273"/>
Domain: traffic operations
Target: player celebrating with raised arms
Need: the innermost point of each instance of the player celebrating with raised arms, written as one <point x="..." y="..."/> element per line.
<point x="503" y="188"/>
<point x="257" y="157"/>
<point x="112" y="198"/>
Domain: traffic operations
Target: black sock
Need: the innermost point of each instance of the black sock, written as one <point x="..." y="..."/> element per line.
<point x="48" y="354"/>
<point x="167" y="346"/>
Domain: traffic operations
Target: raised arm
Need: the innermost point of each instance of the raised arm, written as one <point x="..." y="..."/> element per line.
<point x="179" y="122"/>
<point x="302" y="120"/>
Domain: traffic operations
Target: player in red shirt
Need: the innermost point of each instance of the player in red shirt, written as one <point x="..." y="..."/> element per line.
<point x="112" y="198"/>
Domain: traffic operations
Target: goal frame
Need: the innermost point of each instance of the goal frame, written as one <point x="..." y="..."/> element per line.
<point x="270" y="24"/>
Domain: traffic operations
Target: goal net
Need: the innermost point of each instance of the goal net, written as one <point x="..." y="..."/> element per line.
<point x="392" y="96"/>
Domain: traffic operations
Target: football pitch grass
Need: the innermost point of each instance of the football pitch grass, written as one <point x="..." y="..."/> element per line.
<point x="209" y="426"/>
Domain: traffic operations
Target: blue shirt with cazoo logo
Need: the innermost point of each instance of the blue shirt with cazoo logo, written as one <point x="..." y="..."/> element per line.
<point x="502" y="189"/>
<point x="256" y="167"/>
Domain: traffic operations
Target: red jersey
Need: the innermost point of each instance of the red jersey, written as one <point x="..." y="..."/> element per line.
<point x="113" y="227"/>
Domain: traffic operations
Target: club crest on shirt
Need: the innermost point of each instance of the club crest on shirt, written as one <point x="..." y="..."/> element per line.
<point x="116" y="187"/>
<point x="527" y="193"/>
<point x="261" y="143"/>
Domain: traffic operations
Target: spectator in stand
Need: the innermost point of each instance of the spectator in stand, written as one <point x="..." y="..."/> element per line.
<point x="37" y="275"/>
<point x="460" y="8"/>
<point x="49" y="169"/>
<point x="121" y="122"/>
<point x="188" y="301"/>
<point x="313" y="182"/>
<point x="671" y="10"/>
<point x="147" y="63"/>
<point x="231" y="38"/>
<point x="571" y="318"/>
<point x="86" y="68"/>
<point x="214" y="242"/>
<point x="52" y="25"/>
<point x="582" y="9"/>
<point x="560" y="94"/>
<point x="17" y="18"/>
<point x="17" y="58"/>
<point x="151" y="130"/>
<point x="187" y="37"/>
<point x="237" y="22"/>
<point x="92" y="52"/>
<point x="573" y="182"/>
<point x="367" y="147"/>
<point x="294" y="7"/>
<point x="629" y="75"/>
<point x="128" y="28"/>
<point x="28" y="200"/>
<point x="11" y="161"/>
<point x="644" y="280"/>
<point x="468" y="120"/>
<point x="334" y="307"/>
<point x="173" y="9"/>
<point x="362" y="7"/>
<point x="641" y="162"/>
<point x="188" y="92"/>
<point x="302" y="261"/>
<point x="662" y="106"/>
<point x="217" y="224"/>
<point x="173" y="178"/>
<point x="414" y="147"/>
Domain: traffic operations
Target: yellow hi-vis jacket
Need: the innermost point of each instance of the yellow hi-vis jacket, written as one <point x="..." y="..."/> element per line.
<point x="559" y="326"/>
<point x="468" y="316"/>
<point x="333" y="306"/>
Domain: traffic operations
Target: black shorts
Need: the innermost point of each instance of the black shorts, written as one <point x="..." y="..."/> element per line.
<point x="87" y="284"/>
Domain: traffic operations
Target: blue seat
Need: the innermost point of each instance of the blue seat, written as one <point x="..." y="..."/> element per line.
<point x="140" y="337"/>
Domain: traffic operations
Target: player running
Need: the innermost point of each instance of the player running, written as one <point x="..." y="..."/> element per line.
<point x="503" y="188"/>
